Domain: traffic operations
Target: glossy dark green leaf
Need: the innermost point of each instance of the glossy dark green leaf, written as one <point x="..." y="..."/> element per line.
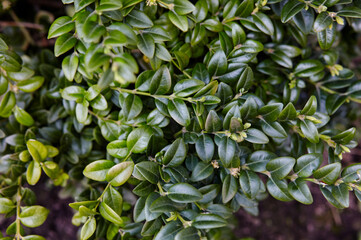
<point x="263" y="23"/>
<point x="351" y="11"/>
<point x="187" y="87"/>
<point x="256" y="136"/>
<point x="146" y="45"/>
<point x="147" y="171"/>
<point x="188" y="233"/>
<point x="218" y="63"/>
<point x="310" y="106"/>
<point x="323" y="21"/>
<point x="60" y="26"/>
<point x="208" y="221"/>
<point x="161" y="81"/>
<point x="310" y="131"/>
<point x="280" y="167"/>
<point x="271" y="112"/>
<point x="175" y="154"/>
<point x="213" y="122"/>
<point x="205" y="148"/>
<point x="169" y="231"/>
<point x="288" y="113"/>
<point x="139" y="19"/>
<point x="278" y="189"/>
<point x="307" y="164"/>
<point x="300" y="191"/>
<point x="290" y="9"/>
<point x="308" y="68"/>
<point x="250" y="183"/>
<point x="328" y="173"/>
<point x="179" y="112"/>
<point x="226" y="151"/>
<point x="64" y="43"/>
<point x="201" y="171"/>
<point x="229" y="188"/>
<point x="179" y="21"/>
<point x="138" y="139"/>
<point x="184" y="193"/>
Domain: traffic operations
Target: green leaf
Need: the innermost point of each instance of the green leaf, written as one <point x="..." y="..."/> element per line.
<point x="147" y="171"/>
<point x="256" y="136"/>
<point x="64" y="43"/>
<point x="131" y="107"/>
<point x="288" y="113"/>
<point x="109" y="5"/>
<point x="61" y="26"/>
<point x="341" y="194"/>
<point x="308" y="68"/>
<point x="69" y="66"/>
<point x="161" y="81"/>
<point x="310" y="107"/>
<point x="218" y="63"/>
<point x="201" y="171"/>
<point x="245" y="80"/>
<point x="208" y="221"/>
<point x="310" y="131"/>
<point x="326" y="37"/>
<point x="187" y="87"/>
<point x="81" y="4"/>
<point x="205" y="148"/>
<point x="250" y="183"/>
<point x="138" y="19"/>
<point x="270" y="112"/>
<point x="23" y="117"/>
<point x="88" y="229"/>
<point x="118" y="148"/>
<point x="169" y="231"/>
<point x="328" y="173"/>
<point x="189" y="233"/>
<point x="138" y="139"/>
<point x="226" y="151"/>
<point x="114" y="200"/>
<point x="33" y="173"/>
<point x="273" y="129"/>
<point x="345" y="137"/>
<point x="37" y="150"/>
<point x="323" y="21"/>
<point x="264" y="23"/>
<point x="184" y="193"/>
<point x="120" y="173"/>
<point x="280" y="167"/>
<point x="258" y="160"/>
<point x="81" y="112"/>
<point x="73" y="93"/>
<point x="327" y="192"/>
<point x="278" y="189"/>
<point x="31" y="84"/>
<point x="6" y="205"/>
<point x="33" y="216"/>
<point x="3" y="45"/>
<point x="229" y="188"/>
<point x="175" y="154"/>
<point x="97" y="170"/>
<point x="33" y="237"/>
<point x="334" y="102"/>
<point x="351" y="173"/>
<point x="213" y="122"/>
<point x="162" y="204"/>
<point x="180" y="22"/>
<point x="307" y="164"/>
<point x="183" y="7"/>
<point x="7" y="104"/>
<point x="109" y="214"/>
<point x="351" y="11"/>
<point x="300" y="191"/>
<point x="146" y="45"/>
<point x="179" y="112"/>
<point x="290" y="9"/>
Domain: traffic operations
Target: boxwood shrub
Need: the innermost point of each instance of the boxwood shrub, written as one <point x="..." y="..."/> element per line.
<point x="161" y="118"/>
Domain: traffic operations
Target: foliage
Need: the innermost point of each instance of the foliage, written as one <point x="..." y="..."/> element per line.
<point x="178" y="113"/>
